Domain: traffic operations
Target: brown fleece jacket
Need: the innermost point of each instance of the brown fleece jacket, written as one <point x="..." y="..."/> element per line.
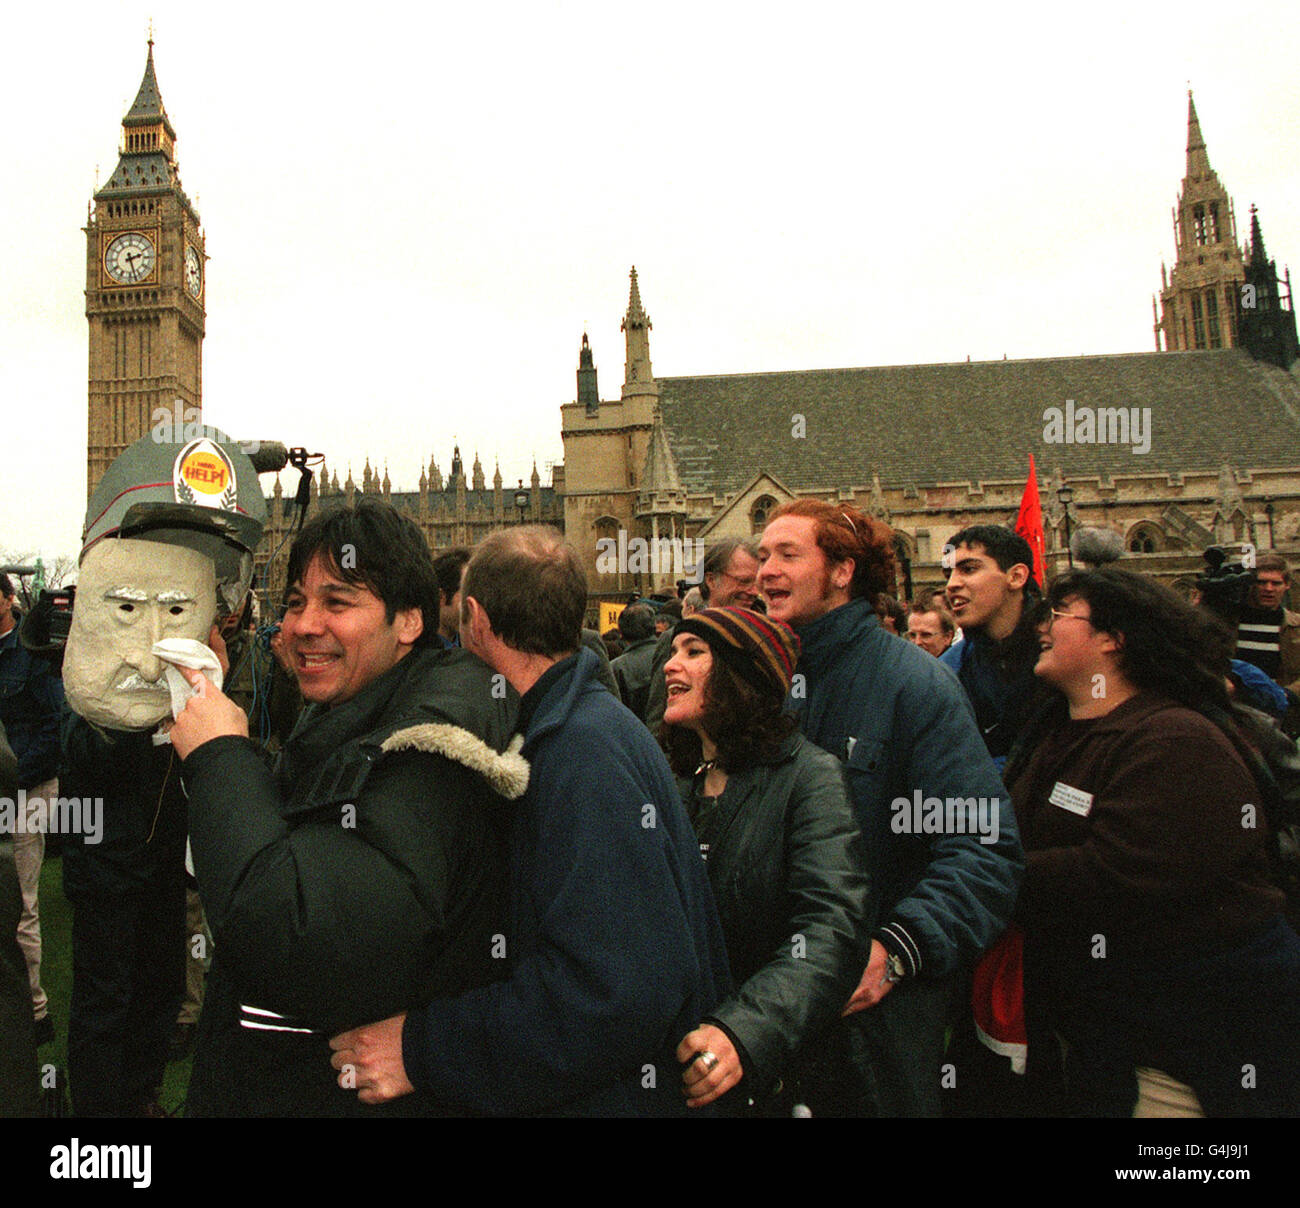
<point x="1136" y="828"/>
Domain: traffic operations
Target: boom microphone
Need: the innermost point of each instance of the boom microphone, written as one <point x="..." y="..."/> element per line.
<point x="267" y="456"/>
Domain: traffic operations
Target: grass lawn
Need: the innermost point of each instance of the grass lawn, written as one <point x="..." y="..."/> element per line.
<point x="56" y="977"/>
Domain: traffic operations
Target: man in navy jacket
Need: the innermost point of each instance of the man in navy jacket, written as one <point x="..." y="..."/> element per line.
<point x="614" y="951"/>
<point x="941" y="840"/>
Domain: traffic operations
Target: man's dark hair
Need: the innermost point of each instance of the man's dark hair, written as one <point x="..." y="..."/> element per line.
<point x="887" y="606"/>
<point x="1005" y="547"/>
<point x="447" y="568"/>
<point x="374" y="545"/>
<point x="672" y="610"/>
<point x="532" y="587"/>
<point x="748" y="726"/>
<point x="717" y="557"/>
<point x="6" y="587"/>
<point x="636" y="622"/>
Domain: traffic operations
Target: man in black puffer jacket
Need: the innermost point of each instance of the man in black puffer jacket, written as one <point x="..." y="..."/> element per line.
<point x="364" y="875"/>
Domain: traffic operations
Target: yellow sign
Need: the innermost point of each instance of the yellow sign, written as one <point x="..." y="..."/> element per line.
<point x="204" y="475"/>
<point x="609" y="614"/>
<point x="205" y="472"/>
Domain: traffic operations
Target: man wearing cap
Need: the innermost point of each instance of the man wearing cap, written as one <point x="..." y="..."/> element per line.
<point x="167" y="546"/>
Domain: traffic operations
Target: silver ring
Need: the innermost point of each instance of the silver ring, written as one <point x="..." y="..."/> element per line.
<point x="710" y="1060"/>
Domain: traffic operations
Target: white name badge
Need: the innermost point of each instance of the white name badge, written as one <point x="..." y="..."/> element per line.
<point x="1074" y="800"/>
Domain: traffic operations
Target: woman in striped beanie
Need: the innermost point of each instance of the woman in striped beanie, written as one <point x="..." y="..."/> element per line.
<point x="783" y="853"/>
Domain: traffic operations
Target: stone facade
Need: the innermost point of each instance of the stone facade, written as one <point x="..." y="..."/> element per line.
<point x="456" y="512"/>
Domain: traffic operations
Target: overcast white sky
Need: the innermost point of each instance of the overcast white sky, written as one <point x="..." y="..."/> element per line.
<point x="412" y="212"/>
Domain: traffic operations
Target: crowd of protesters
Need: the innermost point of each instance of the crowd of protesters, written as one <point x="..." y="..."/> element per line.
<point x="783" y="846"/>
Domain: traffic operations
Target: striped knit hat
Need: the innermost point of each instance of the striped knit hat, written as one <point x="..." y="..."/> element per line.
<point x="759" y="649"/>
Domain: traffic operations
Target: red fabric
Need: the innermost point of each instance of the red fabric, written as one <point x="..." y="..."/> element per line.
<point x="1029" y="523"/>
<point x="998" y="998"/>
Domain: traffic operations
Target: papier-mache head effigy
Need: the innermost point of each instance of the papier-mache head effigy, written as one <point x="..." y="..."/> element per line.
<point x="167" y="547"/>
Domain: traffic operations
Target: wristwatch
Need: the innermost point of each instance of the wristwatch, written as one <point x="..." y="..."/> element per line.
<point x="895" y="971"/>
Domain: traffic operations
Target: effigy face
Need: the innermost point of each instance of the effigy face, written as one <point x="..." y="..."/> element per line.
<point x="131" y="594"/>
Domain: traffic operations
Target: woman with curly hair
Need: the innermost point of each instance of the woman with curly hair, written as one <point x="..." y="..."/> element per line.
<point x="1155" y="946"/>
<point x="782" y="848"/>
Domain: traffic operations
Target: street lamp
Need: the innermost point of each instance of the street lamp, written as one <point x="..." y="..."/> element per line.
<point x="1268" y="511"/>
<point x="1065" y="493"/>
<point x="521" y="500"/>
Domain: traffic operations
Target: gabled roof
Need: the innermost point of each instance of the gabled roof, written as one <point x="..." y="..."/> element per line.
<point x="930" y="424"/>
<point x="719" y="518"/>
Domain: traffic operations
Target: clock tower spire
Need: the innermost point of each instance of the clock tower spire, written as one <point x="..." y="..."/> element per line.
<point x="145" y="286"/>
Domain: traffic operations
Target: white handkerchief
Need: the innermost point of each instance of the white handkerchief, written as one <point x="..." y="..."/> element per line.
<point x="185" y="652"/>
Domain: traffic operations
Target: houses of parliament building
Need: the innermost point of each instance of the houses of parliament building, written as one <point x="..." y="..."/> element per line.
<point x="1193" y="443"/>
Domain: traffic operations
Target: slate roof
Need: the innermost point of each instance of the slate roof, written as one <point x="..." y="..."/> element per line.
<point x="148" y="106"/>
<point x="660" y="473"/>
<point x="928" y="424"/>
<point x="151" y="171"/>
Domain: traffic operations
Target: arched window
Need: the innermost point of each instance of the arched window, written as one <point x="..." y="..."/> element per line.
<point x="759" y="512"/>
<point x="1145" y="538"/>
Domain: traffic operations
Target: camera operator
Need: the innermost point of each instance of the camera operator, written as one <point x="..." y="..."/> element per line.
<point x="1226" y="589"/>
<point x="1268" y="633"/>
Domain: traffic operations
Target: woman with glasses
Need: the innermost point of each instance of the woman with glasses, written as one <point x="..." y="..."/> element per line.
<point x="1155" y="948"/>
<point x="784" y="859"/>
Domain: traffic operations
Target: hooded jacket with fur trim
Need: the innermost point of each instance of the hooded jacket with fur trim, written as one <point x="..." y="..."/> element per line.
<point x="361" y="878"/>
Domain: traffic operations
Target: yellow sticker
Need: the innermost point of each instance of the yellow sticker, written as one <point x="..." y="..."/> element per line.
<point x="203" y="475"/>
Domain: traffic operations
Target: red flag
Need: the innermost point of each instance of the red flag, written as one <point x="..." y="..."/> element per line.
<point x="1029" y="523"/>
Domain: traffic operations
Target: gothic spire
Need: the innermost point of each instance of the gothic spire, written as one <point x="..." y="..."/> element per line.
<point x="1198" y="158"/>
<point x="147" y="108"/>
<point x="1257" y="254"/>
<point x="638" y="376"/>
<point x="588" y="393"/>
<point x="660" y="474"/>
<point x="148" y="152"/>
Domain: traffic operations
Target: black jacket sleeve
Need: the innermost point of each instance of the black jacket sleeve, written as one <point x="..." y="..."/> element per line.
<point x="814" y="969"/>
<point x="330" y="916"/>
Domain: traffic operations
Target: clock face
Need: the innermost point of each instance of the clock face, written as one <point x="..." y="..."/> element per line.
<point x="193" y="272"/>
<point x="129" y="258"/>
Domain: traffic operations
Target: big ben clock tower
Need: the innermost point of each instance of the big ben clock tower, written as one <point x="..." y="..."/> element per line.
<point x="145" y="282"/>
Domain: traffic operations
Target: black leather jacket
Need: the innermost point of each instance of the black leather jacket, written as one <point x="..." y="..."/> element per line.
<point x="787" y="870"/>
